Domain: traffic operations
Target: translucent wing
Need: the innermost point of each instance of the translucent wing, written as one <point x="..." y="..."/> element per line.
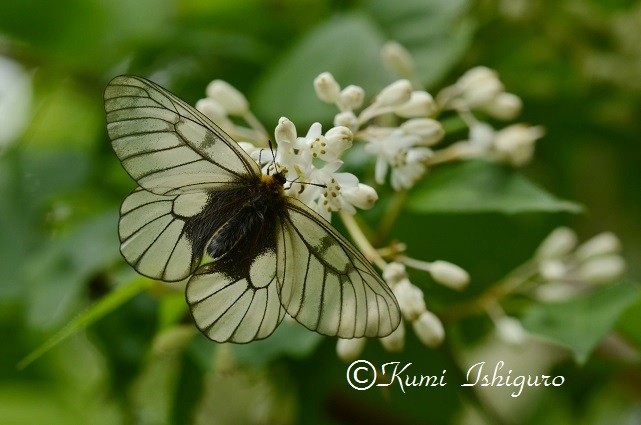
<point x="163" y="236"/>
<point x="326" y="284"/>
<point x="167" y="146"/>
<point x="236" y="298"/>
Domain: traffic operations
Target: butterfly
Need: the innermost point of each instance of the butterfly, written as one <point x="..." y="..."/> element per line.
<point x="204" y="210"/>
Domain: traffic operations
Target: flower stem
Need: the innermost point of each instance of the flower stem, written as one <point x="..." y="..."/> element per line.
<point x="494" y="293"/>
<point x="361" y="240"/>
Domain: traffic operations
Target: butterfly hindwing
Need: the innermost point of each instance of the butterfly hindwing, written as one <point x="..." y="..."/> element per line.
<point x="326" y="284"/>
<point x="235" y="298"/>
<point x="167" y="146"/>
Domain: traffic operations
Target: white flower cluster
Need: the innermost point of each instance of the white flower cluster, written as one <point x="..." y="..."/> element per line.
<point x="480" y="89"/>
<point x="567" y="269"/>
<point x="404" y="148"/>
<point x="310" y="163"/>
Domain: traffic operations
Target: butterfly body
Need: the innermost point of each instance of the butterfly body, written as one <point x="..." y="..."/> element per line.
<point x="205" y="211"/>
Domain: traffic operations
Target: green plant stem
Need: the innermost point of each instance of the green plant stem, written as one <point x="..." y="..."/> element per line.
<point x="361" y="240"/>
<point x="493" y="294"/>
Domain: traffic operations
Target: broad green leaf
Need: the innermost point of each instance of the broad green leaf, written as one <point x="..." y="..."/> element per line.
<point x="581" y="323"/>
<point x="289" y="339"/>
<point x="349" y="46"/>
<point x="103" y="307"/>
<point x="63" y="266"/>
<point x="437" y="33"/>
<point x="482" y="187"/>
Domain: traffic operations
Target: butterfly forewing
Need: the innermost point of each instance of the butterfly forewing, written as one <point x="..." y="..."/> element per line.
<point x="166" y="145"/>
<point x="326" y="284"/>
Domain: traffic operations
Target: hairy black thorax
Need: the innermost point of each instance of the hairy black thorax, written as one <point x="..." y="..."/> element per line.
<point x="238" y="224"/>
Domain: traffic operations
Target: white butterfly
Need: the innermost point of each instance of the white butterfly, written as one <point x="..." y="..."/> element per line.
<point x="267" y="253"/>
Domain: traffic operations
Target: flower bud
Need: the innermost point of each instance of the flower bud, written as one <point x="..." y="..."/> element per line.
<point x="410" y="299"/>
<point x="556" y="291"/>
<point x="421" y="104"/>
<point x="395" y="341"/>
<point x="394" y="273"/>
<point x="448" y="274"/>
<point x="505" y="106"/>
<point x="211" y="109"/>
<point x="602" y="269"/>
<point x="350" y="349"/>
<point x="552" y="270"/>
<point x="482" y="135"/>
<point x="395" y="94"/>
<point x="397" y="59"/>
<point x="515" y="144"/>
<point x="228" y="96"/>
<point x="326" y="87"/>
<point x="560" y="242"/>
<point x="601" y="244"/>
<point x="285" y="131"/>
<point x="340" y="136"/>
<point x="479" y="86"/>
<point x="510" y="330"/>
<point x="351" y="97"/>
<point x="429" y="329"/>
<point x="346" y="119"/>
<point x="364" y="197"/>
<point x="429" y="131"/>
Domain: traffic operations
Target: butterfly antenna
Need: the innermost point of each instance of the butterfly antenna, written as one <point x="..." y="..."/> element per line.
<point x="271" y="148"/>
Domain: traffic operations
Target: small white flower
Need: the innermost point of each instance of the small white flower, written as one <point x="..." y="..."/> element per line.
<point x="395" y="94"/>
<point x="557" y="244"/>
<point x="228" y="96"/>
<point x="350" y="349"/>
<point x="410" y="299"/>
<point x="510" y="330"/>
<point x="326" y="87"/>
<point x="429" y="329"/>
<point x="395" y="341"/>
<point x="478" y="86"/>
<point x="397" y="59"/>
<point x="556" y="291"/>
<point x="553" y="270"/>
<point x="394" y="273"/>
<point x="505" y="106"/>
<point x="285" y="131"/>
<point x="346" y="119"/>
<point x="602" y="269"/>
<point x="351" y="97"/>
<point x="361" y="196"/>
<point x="428" y="132"/>
<point x="515" y="144"/>
<point x="394" y="147"/>
<point x="329" y="146"/>
<point x="212" y="109"/>
<point x="449" y="274"/>
<point x="420" y="104"/>
<point x="601" y="244"/>
<point x="482" y="135"/>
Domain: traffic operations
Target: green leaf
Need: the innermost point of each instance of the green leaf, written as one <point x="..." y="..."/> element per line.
<point x="481" y="187"/>
<point x="103" y="307"/>
<point x="582" y="322"/>
<point x="287" y="90"/>
<point x="437" y="33"/>
<point x="289" y="339"/>
<point x="349" y="47"/>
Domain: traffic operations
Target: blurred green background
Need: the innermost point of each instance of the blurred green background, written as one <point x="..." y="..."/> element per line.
<point x="575" y="63"/>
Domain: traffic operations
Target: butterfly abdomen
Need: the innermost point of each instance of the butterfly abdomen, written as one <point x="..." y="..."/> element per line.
<point x="251" y="226"/>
